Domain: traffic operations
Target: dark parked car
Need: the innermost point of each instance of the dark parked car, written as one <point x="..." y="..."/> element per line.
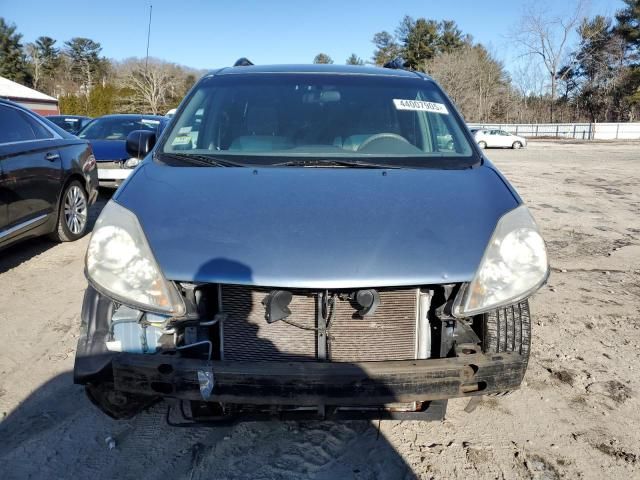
<point x="71" y="123"/>
<point x="309" y="240"/>
<point x="48" y="178"/>
<point x="108" y="135"/>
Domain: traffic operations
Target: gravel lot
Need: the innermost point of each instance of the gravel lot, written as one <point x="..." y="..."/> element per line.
<point x="576" y="416"/>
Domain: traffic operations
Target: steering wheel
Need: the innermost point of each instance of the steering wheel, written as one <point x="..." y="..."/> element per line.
<point x="380" y="136"/>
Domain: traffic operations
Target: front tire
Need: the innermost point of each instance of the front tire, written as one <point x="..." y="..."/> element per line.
<point x="73" y="216"/>
<point x="516" y="145"/>
<point x="508" y="329"/>
<point x="482" y="145"/>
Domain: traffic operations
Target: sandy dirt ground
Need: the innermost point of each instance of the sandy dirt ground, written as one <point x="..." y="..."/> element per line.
<point x="576" y="416"/>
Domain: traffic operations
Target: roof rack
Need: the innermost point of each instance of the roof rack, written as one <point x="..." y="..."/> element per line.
<point x="243" y="62"/>
<point x="397" y="63"/>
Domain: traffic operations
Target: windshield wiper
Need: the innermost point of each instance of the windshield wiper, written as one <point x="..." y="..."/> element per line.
<point x="330" y="162"/>
<point x="208" y="160"/>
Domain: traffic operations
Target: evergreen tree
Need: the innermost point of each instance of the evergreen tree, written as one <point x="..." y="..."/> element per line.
<point x="12" y="59"/>
<point x="85" y="61"/>
<point x="629" y="23"/>
<point x="451" y="37"/>
<point x="421" y="44"/>
<point x="387" y="48"/>
<point x="49" y="54"/>
<point x="418" y="41"/>
<point x="322" y="58"/>
<point x="354" y="60"/>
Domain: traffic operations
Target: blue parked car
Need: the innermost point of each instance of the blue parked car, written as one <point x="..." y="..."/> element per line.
<point x="108" y="135"/>
<point x="324" y="241"/>
<point x="70" y="123"/>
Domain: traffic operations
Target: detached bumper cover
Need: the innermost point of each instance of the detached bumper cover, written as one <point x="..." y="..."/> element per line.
<point x="313" y="383"/>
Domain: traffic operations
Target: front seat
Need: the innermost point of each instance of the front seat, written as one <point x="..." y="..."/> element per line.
<point x="373" y="120"/>
<point x="262" y="128"/>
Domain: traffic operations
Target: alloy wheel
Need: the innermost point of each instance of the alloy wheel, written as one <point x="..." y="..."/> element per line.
<point x="75" y="210"/>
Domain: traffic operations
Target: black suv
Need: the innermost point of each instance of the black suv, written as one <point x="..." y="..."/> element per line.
<point x="48" y="178"/>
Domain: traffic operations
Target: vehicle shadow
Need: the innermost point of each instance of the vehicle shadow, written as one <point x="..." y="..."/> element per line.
<point x="57" y="433"/>
<point x="24" y="251"/>
<point x="57" y="430"/>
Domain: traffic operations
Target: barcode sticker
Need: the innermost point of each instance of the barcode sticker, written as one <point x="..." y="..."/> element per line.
<point x="420" y="106"/>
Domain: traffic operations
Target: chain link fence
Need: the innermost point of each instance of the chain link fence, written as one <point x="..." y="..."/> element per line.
<point x="582" y="131"/>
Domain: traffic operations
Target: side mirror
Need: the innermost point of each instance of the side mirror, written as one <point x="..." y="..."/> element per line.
<point x="140" y="143"/>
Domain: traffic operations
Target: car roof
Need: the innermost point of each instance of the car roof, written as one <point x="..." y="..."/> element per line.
<point x="319" y="69"/>
<point x="67" y="116"/>
<point x="6" y="101"/>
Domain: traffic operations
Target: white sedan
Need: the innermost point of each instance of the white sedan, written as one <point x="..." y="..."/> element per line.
<point x="498" y="138"/>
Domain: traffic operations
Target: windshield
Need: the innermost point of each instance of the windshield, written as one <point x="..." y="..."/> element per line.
<point x="117" y="128"/>
<point x="69" y="124"/>
<point x="246" y="117"/>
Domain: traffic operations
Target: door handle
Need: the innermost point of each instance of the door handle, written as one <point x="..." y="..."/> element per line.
<point x="52" y="156"/>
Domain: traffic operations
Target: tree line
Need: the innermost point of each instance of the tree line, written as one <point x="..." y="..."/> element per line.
<point x="596" y="78"/>
<point x="87" y="83"/>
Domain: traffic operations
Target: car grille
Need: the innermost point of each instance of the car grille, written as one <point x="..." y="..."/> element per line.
<point x="109" y="165"/>
<point x="389" y="334"/>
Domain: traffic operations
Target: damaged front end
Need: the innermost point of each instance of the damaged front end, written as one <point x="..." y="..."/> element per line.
<point x="252" y="352"/>
<point x="222" y="347"/>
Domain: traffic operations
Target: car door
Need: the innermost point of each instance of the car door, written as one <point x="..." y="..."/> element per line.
<point x="493" y="138"/>
<point x="505" y="139"/>
<point x="31" y="168"/>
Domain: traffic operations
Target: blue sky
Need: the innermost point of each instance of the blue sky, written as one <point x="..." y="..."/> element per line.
<point x="207" y="34"/>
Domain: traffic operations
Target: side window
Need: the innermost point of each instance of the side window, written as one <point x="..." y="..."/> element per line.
<point x="40" y="131"/>
<point x="14" y="127"/>
<point x="444" y="139"/>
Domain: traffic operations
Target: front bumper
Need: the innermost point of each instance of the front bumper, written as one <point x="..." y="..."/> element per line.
<point x="280" y="386"/>
<point x="112" y="176"/>
<point x="314" y="383"/>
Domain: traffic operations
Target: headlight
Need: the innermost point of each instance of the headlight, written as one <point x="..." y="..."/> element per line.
<point x="120" y="263"/>
<point x="132" y="163"/>
<point x="514" y="266"/>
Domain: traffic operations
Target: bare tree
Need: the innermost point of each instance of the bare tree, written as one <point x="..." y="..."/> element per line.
<point x="547" y="37"/>
<point x="473" y="78"/>
<point x="152" y="85"/>
<point x="36" y="62"/>
<point x="528" y="83"/>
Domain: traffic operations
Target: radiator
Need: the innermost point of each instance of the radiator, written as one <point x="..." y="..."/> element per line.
<point x="389" y="334"/>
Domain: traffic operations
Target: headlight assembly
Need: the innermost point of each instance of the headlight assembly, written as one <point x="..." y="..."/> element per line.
<point x="514" y="266"/>
<point x="120" y="263"/>
<point x="132" y="163"/>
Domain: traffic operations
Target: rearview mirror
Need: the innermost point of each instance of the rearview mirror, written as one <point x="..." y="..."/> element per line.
<point x="140" y="143"/>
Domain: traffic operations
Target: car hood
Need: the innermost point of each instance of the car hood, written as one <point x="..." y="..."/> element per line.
<point x="109" y="150"/>
<point x="317" y="227"/>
